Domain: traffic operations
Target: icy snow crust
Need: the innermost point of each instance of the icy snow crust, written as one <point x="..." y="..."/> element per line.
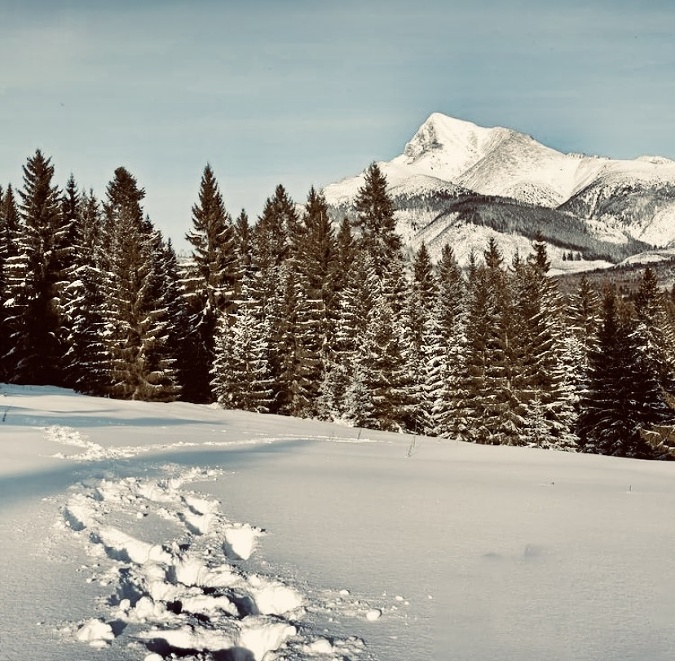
<point x="131" y="530"/>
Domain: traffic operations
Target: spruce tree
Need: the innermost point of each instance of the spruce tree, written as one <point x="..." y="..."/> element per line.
<point x="34" y="280"/>
<point x="491" y="405"/>
<point x="87" y="356"/>
<point x="244" y="249"/>
<point x="274" y="238"/>
<point x="543" y="387"/>
<point x="375" y="220"/>
<point x="136" y="311"/>
<point x="209" y="283"/>
<point x="444" y="349"/>
<point x="421" y="336"/>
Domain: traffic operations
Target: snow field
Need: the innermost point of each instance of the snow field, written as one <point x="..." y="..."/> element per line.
<point x="464" y="551"/>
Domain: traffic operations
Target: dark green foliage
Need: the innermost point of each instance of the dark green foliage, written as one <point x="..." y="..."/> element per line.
<point x="443" y="349"/>
<point x="375" y="220"/>
<point x="87" y="358"/>
<point x="210" y="284"/>
<point x="244" y="249"/>
<point x="136" y="310"/>
<point x="544" y="389"/>
<point x="275" y="232"/>
<point x="34" y="280"/>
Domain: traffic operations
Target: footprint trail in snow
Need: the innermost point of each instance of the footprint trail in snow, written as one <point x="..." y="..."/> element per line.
<point x="188" y="595"/>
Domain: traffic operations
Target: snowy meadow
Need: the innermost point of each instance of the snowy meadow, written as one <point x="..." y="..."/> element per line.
<point x="149" y="531"/>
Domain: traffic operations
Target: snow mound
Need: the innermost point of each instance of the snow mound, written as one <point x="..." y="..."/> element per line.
<point x="96" y="633"/>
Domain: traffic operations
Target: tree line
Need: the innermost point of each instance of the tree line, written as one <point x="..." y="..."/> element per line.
<point x="298" y="315"/>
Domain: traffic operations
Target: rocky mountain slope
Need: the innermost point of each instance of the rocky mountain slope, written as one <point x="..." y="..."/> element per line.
<point x="461" y="183"/>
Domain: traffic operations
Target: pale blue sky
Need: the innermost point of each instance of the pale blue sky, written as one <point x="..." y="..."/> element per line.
<point x="307" y="92"/>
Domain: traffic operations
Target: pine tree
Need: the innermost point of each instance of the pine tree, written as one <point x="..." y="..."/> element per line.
<point x="341" y="266"/>
<point x="299" y="347"/>
<point x="136" y="312"/>
<point x="490" y="376"/>
<point x="650" y="306"/>
<point x="33" y="280"/>
<point x="583" y="320"/>
<point x="274" y="238"/>
<point x="375" y="220"/>
<point x="9" y="224"/>
<point x="420" y="336"/>
<point x="244" y="249"/>
<point x="352" y="308"/>
<point x="209" y="283"/>
<point x="543" y="387"/>
<point x="273" y="234"/>
<point x="382" y="359"/>
<point x="87" y="357"/>
<point x="444" y="349"/>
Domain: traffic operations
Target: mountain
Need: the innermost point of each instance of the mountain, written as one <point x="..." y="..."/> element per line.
<point x="460" y="183"/>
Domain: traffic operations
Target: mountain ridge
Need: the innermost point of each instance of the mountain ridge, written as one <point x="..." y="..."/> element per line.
<point x="629" y="202"/>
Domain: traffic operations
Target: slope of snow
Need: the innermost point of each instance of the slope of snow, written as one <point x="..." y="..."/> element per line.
<point x="131" y="530"/>
<point x="467" y="238"/>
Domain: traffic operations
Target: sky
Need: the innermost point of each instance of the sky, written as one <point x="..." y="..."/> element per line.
<point x="307" y="92"/>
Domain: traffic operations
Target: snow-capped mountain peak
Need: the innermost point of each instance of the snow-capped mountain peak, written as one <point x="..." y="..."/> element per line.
<point x="449" y="158"/>
<point x="451" y="146"/>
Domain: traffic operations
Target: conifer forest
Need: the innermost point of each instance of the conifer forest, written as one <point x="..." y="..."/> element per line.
<point x="306" y="315"/>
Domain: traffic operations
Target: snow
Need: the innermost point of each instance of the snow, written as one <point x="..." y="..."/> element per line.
<point x="274" y="538"/>
<point x="447" y="154"/>
<point x="651" y="257"/>
<point x="500" y="161"/>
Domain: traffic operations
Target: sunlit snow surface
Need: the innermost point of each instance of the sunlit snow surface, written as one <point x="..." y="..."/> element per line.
<point x="137" y="531"/>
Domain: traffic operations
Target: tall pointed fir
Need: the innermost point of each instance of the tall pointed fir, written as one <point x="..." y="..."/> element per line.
<point x="655" y="335"/>
<point x="544" y="387"/>
<point x="9" y="225"/>
<point x="136" y="313"/>
<point x="582" y="323"/>
<point x="341" y="263"/>
<point x="70" y="210"/>
<point x="349" y="313"/>
<point x="491" y="356"/>
<point x="382" y="359"/>
<point x="444" y="348"/>
<point x="243" y="249"/>
<point x="87" y="357"/>
<point x="209" y="283"/>
<point x="308" y="296"/>
<point x="34" y="279"/>
<point x="657" y="327"/>
<point x="375" y="220"/>
<point x="420" y="335"/>
<point x="273" y="243"/>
